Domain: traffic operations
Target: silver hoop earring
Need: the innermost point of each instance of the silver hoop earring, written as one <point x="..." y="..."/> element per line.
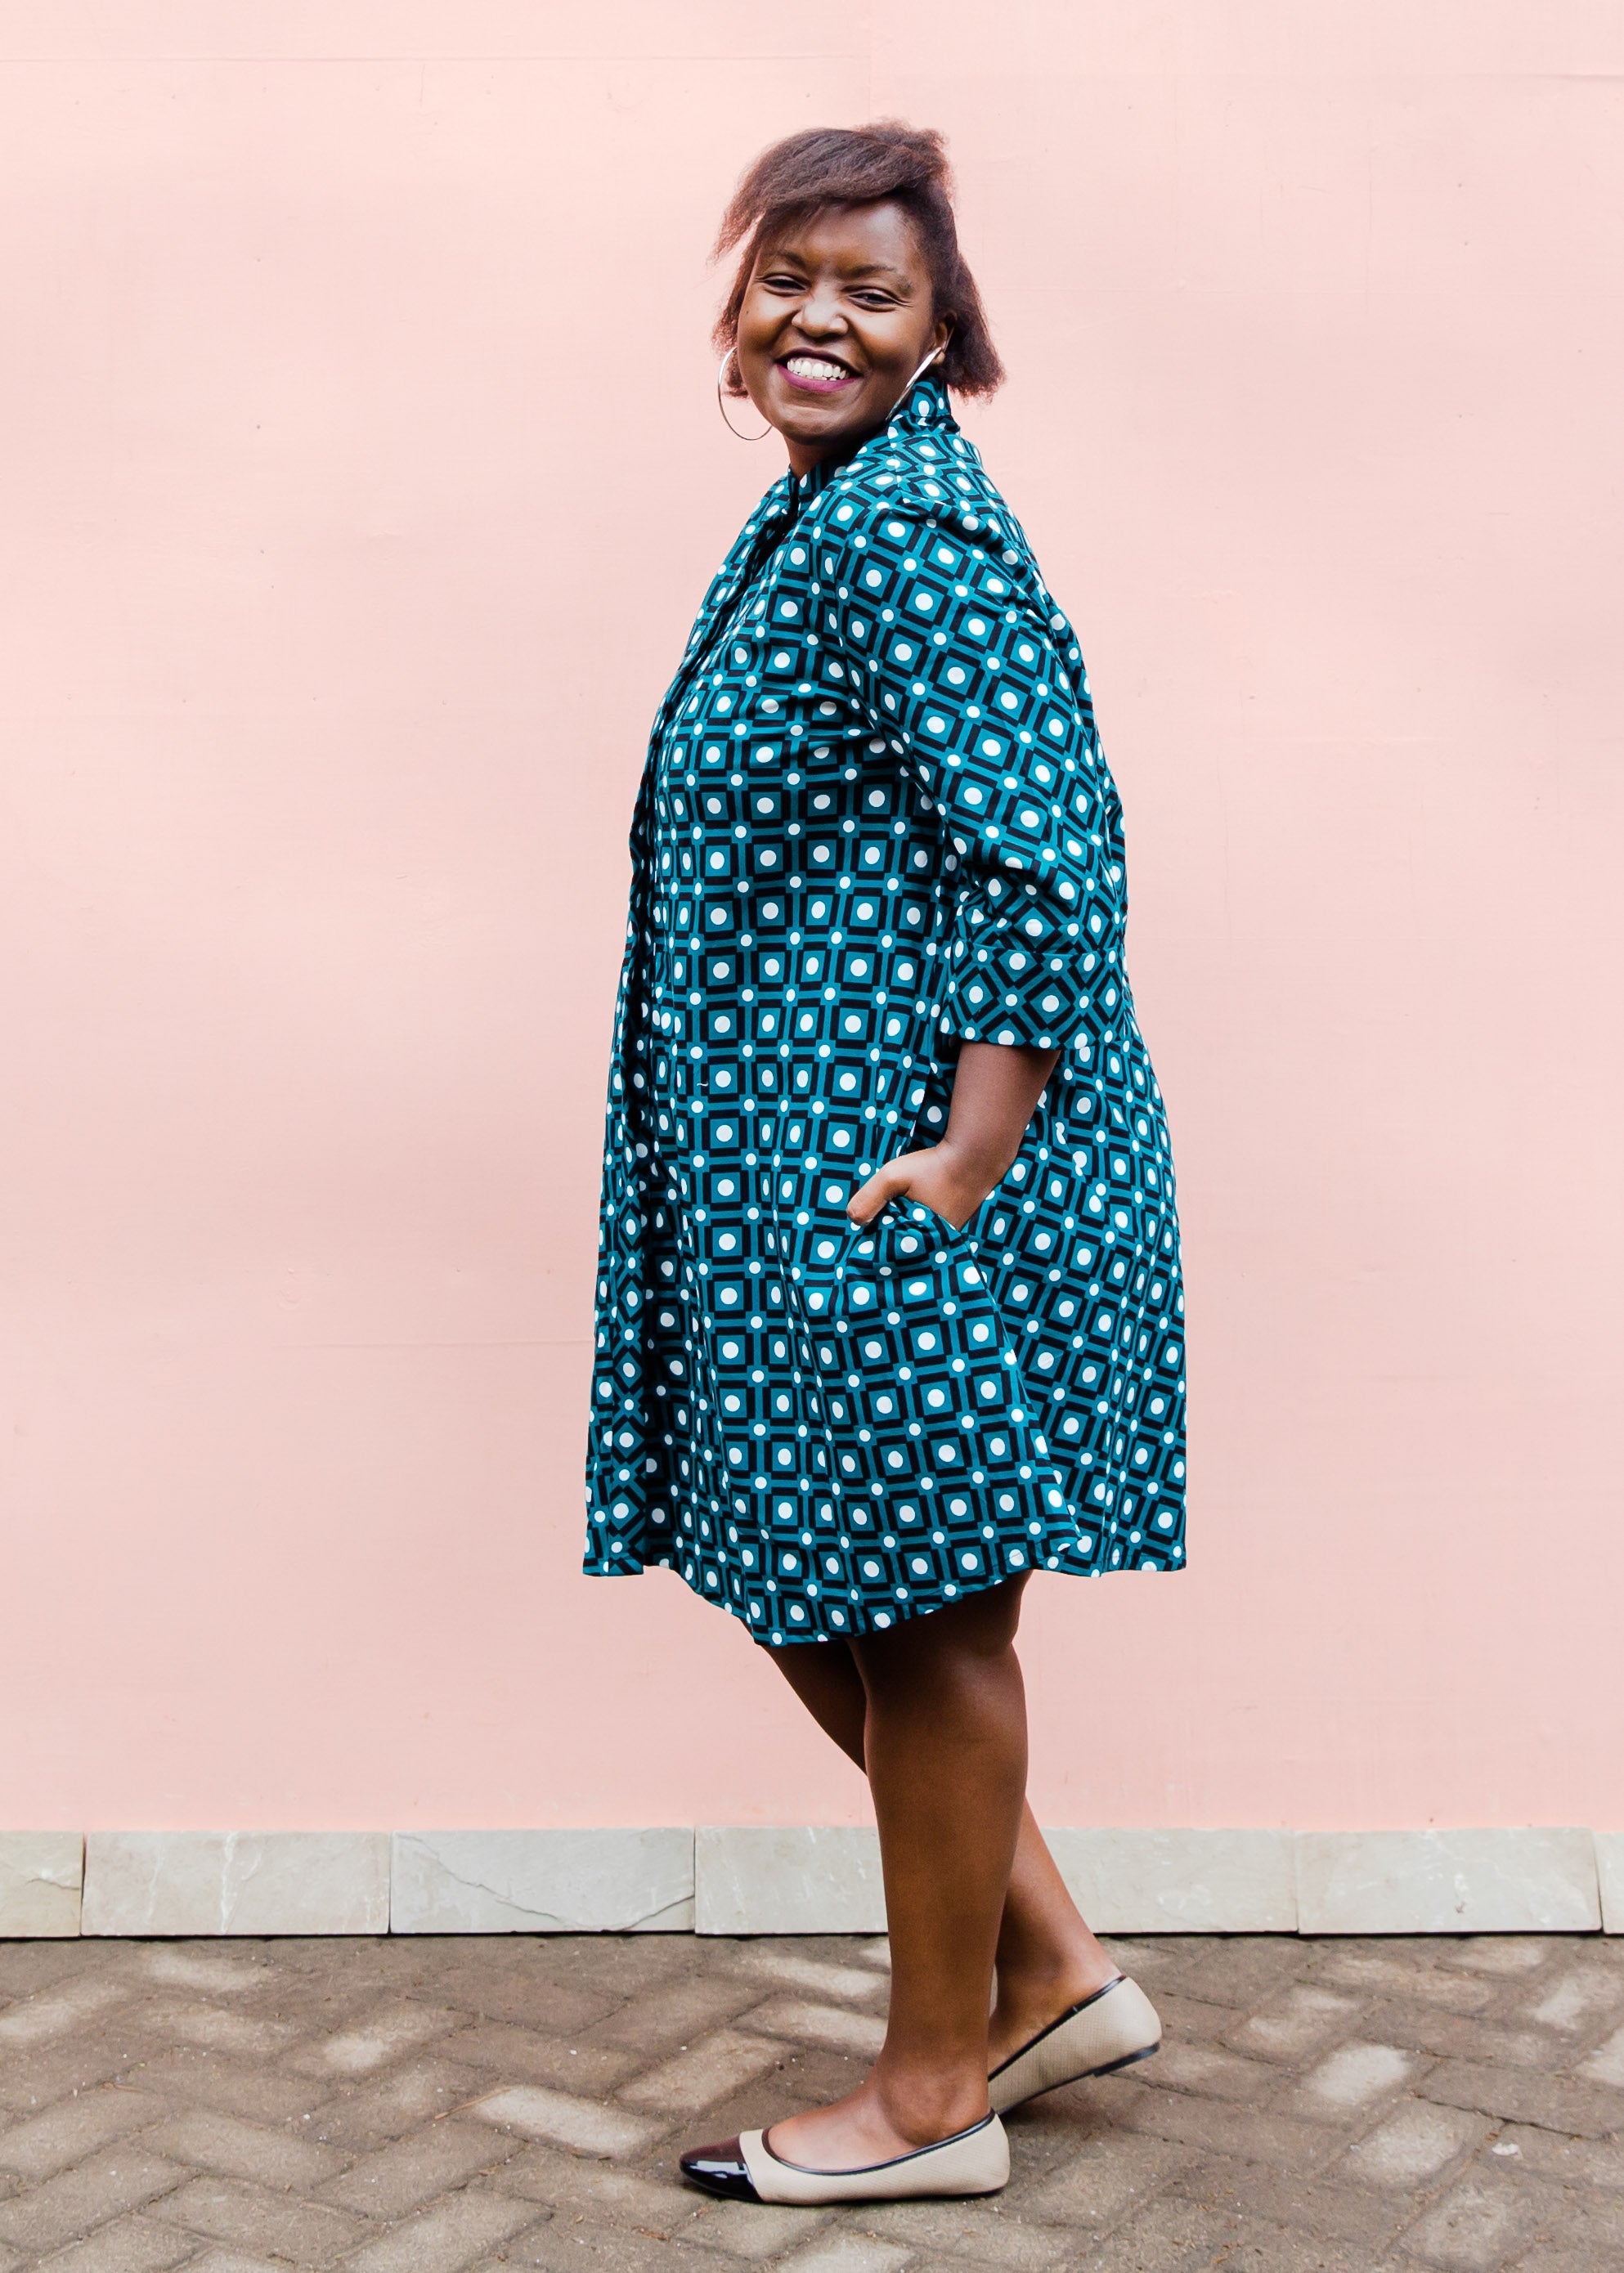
<point x="721" y="404"/>
<point x="935" y="356"/>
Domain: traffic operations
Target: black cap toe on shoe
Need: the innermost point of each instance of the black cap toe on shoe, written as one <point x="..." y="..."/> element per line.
<point x="719" y="2170"/>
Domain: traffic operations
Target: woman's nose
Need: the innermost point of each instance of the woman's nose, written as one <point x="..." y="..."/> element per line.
<point x="820" y="312"/>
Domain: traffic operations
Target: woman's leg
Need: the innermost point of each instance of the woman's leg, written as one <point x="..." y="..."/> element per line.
<point x="1047" y="1958"/>
<point x="944" y="1738"/>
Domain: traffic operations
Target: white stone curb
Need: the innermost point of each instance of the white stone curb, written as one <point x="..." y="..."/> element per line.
<point x="789" y="1879"/>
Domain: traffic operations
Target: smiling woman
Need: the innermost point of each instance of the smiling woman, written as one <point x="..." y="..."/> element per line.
<point x="851" y="282"/>
<point x="889" y="1312"/>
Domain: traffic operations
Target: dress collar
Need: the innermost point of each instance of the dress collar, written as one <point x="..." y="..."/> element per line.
<point x="923" y="407"/>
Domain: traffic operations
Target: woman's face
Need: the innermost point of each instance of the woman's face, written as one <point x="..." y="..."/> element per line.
<point x="836" y="320"/>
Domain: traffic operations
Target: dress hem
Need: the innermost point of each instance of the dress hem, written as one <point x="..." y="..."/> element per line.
<point x="864" y="1620"/>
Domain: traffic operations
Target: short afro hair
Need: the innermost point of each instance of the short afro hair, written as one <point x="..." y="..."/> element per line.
<point x="883" y="162"/>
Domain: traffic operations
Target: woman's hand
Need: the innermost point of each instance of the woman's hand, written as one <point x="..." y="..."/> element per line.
<point x="995" y="1091"/>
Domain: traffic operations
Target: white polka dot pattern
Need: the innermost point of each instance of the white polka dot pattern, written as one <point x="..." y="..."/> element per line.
<point x="877" y="822"/>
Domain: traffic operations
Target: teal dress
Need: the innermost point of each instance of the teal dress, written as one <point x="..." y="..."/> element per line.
<point x="875" y="822"/>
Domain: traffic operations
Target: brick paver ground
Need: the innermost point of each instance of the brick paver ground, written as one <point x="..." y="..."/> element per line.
<point x="428" y="2106"/>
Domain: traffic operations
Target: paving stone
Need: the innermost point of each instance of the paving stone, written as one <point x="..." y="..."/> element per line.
<point x="704" y="2074"/>
<point x="523" y="1995"/>
<point x="115" y="2178"/>
<point x="1169" y="2236"/>
<point x="1592" y="2221"/>
<point x="1257" y="2137"/>
<point x="1296" y="2023"/>
<point x="27" y="1967"/>
<point x="580" y="2124"/>
<point x="204" y="2079"/>
<point x="818" y="1976"/>
<point x="1584" y="2111"/>
<point x="622" y="1964"/>
<point x="1552" y="2257"/>
<point x="1253" y="2246"/>
<point x="1192" y="2020"/>
<point x="444" y="2239"/>
<point x="384" y="2036"/>
<point x="1380" y="1974"/>
<point x="1571" y="2162"/>
<point x="1414" y="2145"/>
<point x="54" y="2012"/>
<point x="1496" y="1953"/>
<point x="215" y="2030"/>
<point x="524" y="2054"/>
<point x="180" y="1966"/>
<point x="44" y="2144"/>
<point x="401" y="2178"/>
<point x="1456" y="2036"/>
<point x="752" y="2230"/>
<point x="1214" y="2074"/>
<point x="1241" y="1970"/>
<point x="1345" y="2213"/>
<point x="1354" y="2080"/>
<point x="576" y="2246"/>
<point x="373" y="2114"/>
<point x="603" y="2195"/>
<point x="861" y="2033"/>
<point x="1478" y="2225"/>
<point x="972" y="2233"/>
<point x="33" y="2080"/>
<point x="1102" y="2180"/>
<point x="677" y="2012"/>
<point x="1577" y="1997"/>
<point x="255" y="2218"/>
<point x="848" y="2253"/>
<point x="232" y="2261"/>
<point x="128" y="2244"/>
<point x="1606" y="2064"/>
<point x="210" y="2141"/>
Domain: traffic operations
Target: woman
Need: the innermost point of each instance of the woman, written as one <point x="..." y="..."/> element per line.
<point x="889" y="1314"/>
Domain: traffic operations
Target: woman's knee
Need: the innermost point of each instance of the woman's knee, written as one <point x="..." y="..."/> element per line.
<point x="974" y="1629"/>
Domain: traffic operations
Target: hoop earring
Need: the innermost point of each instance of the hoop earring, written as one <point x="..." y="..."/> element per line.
<point x="721" y="373"/>
<point x="935" y="356"/>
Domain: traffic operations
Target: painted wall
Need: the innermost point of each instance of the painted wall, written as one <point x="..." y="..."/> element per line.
<point x="363" y="473"/>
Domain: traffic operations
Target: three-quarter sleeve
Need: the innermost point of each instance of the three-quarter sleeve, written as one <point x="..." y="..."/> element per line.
<point x="961" y="660"/>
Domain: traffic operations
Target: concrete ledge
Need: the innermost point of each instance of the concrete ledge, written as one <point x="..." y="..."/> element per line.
<point x="612" y="1881"/>
<point x="197" y="1882"/>
<point x="1180" y="1881"/>
<point x="794" y="1878"/>
<point x="1510" y="1882"/>
<point x="40" y="1875"/>
<point x="804" y="1878"/>
<point x="1610" y="1873"/>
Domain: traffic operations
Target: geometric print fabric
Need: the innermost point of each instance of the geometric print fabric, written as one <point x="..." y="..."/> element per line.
<point x="877" y="822"/>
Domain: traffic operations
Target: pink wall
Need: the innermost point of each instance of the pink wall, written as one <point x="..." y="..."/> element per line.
<point x="356" y="391"/>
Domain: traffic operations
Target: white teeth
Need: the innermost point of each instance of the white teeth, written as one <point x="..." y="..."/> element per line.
<point x="815" y="367"/>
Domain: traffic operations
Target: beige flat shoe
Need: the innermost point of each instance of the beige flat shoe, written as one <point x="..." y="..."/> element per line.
<point x="1112" y="2028"/>
<point x="745" y="2169"/>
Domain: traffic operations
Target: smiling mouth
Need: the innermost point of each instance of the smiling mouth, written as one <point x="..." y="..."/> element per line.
<point x="817" y="374"/>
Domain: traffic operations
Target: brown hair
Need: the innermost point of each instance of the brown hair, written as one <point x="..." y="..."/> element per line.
<point x="884" y="161"/>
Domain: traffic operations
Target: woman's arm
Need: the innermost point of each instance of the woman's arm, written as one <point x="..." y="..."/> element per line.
<point x="996" y="1091"/>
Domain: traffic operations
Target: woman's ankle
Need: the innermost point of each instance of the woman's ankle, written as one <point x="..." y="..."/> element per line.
<point x="923" y="2104"/>
<point x="1032" y="1994"/>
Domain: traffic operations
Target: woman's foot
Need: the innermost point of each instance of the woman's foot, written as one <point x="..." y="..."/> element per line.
<point x="975" y="2161"/>
<point x="1028" y="2003"/>
<point x="877" y="2122"/>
